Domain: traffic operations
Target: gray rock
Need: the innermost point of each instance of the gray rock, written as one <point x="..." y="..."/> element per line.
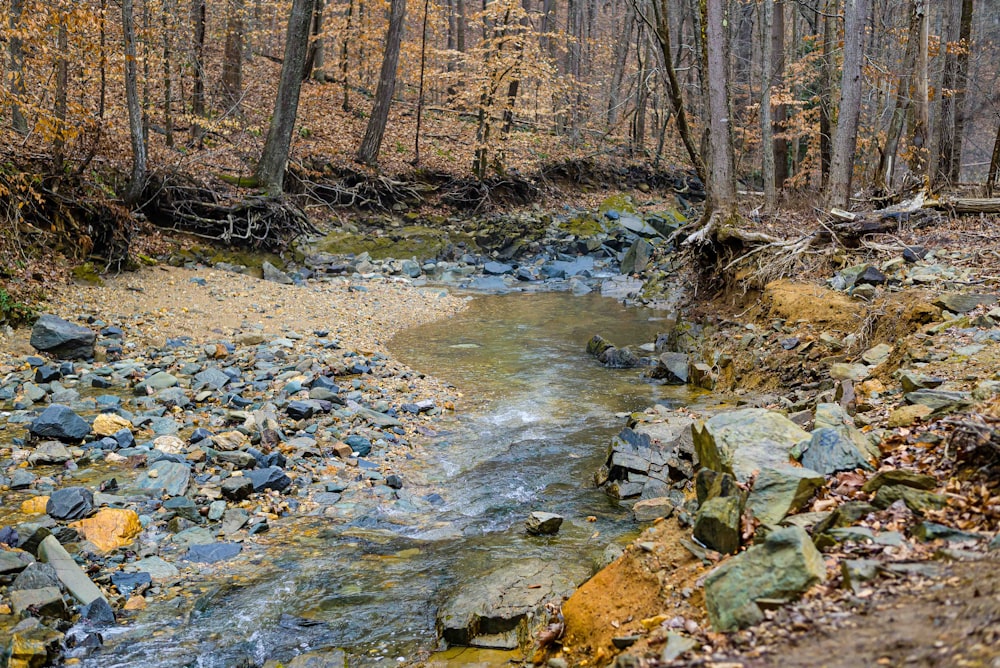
<point x="939" y="401"/>
<point x="213" y="552"/>
<point x="672" y="368"/>
<point x="833" y="416"/>
<point x="928" y="531"/>
<point x="50" y="452"/>
<point x="98" y="612"/>
<point x="649" y="510"/>
<point x="496" y="609"/>
<point x="962" y="303"/>
<point x="327" y="658"/>
<point x="158" y="569"/>
<point x="660" y="452"/>
<point x="784" y="566"/>
<point x="741" y="442"/>
<point x="70" y="574"/>
<point x="717" y="524"/>
<point x="497" y="268"/>
<point x="781" y="490"/>
<point x="170" y="478"/>
<point x="241" y="459"/>
<point x="47" y="601"/>
<point x="899" y="477"/>
<point x="237" y="488"/>
<point x="160" y="380"/>
<point x="272" y="273"/>
<point x="637" y="257"/>
<point x="211" y="378"/>
<point x="61" y="423"/>
<point x="914" y="380"/>
<point x="634" y="223"/>
<point x="856" y="572"/>
<point x="543" y="524"/>
<point x="36" y="576"/>
<point x="878" y="354"/>
<point x="829" y="452"/>
<point x="70" y="503"/>
<point x="917" y="500"/>
<point x="233" y="520"/>
<point x="63" y="339"/>
<point x="13" y="561"/>
<point x="270" y="478"/>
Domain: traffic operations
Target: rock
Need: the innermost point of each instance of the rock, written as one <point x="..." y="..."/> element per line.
<point x="63" y="339"/>
<point x="272" y="273"/>
<point x="672" y="368"/>
<point x="650" y="510"/>
<point x="272" y="477"/>
<point x="50" y="452"/>
<point x="914" y="380"/>
<point x="233" y="520"/>
<point x="717" y="524"/>
<point x="985" y="390"/>
<point x="213" y="552"/>
<point x="743" y="441"/>
<point x="781" y="490"/>
<point x="878" y="354"/>
<point x="962" y="303"/>
<point x="327" y="658"/>
<point x="914" y="254"/>
<point x="899" y="477"/>
<point x="496" y="609"/>
<point x="126" y="583"/>
<point x="829" y="452"/>
<point x="211" y="378"/>
<point x="98" y="612"/>
<point x="61" y="423"/>
<point x="237" y="488"/>
<point x="676" y="646"/>
<point x="853" y="372"/>
<point x="166" y="477"/>
<point x="36" y="576"/>
<point x="916" y="500"/>
<point x="230" y="440"/>
<point x="47" y="601"/>
<point x="110" y="528"/>
<point x="70" y="503"/>
<point x="13" y="561"/>
<point x="158" y="569"/>
<point x="241" y="459"/>
<point x="497" y="268"/>
<point x="637" y="257"/>
<point x="634" y="223"/>
<point x="108" y="424"/>
<point x="871" y="276"/>
<point x="543" y="524"/>
<point x="928" y="531"/>
<point x="70" y="574"/>
<point x="169" y="444"/>
<point x="939" y="401"/>
<point x="904" y="416"/>
<point x="34" y="647"/>
<point x="856" y="572"/>
<point x="784" y="566"/>
<point x="660" y="452"/>
<point x="833" y="416"/>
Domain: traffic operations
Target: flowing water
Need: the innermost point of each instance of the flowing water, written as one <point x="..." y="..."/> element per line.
<point x="533" y="424"/>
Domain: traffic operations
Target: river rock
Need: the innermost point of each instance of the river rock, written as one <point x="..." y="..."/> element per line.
<point x="70" y="503"/>
<point x="496" y="609"/>
<point x="878" y="354"/>
<point x="650" y="510"/>
<point x="833" y="416"/>
<point x="743" y="441"/>
<point x="47" y="601"/>
<point x="939" y="401"/>
<point x="61" y="338"/>
<point x="899" y="477"/>
<point x="272" y="273"/>
<point x="237" y="488"/>
<point x="108" y="424"/>
<point x="213" y="552"/>
<point x="36" y="576"/>
<point x="272" y="477"/>
<point x="98" y="612"/>
<point x="610" y="355"/>
<point x="781" y="490"/>
<point x="904" y="416"/>
<point x="543" y="524"/>
<point x="166" y="477"/>
<point x="717" y="524"/>
<point x="962" y="303"/>
<point x="160" y="380"/>
<point x="50" y="452"/>
<point x="829" y="452"/>
<point x="637" y="257"/>
<point x="34" y="646"/>
<point x="110" y="528"/>
<point x="13" y="561"/>
<point x="914" y="380"/>
<point x="61" y="423"/>
<point x="652" y="456"/>
<point x="158" y="569"/>
<point x="784" y="566"/>
<point x="673" y="368"/>
<point x="327" y="658"/>
<point x="70" y="574"/>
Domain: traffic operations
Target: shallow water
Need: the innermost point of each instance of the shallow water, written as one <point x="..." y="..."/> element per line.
<point x="532" y="426"/>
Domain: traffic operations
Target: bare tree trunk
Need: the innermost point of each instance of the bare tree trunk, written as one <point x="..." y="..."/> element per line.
<point x="344" y="53"/>
<point x="849" y="109"/>
<point x="232" y="62"/>
<point x="766" y="127"/>
<point x="270" y="172"/>
<point x="991" y="178"/>
<point x="826" y="88"/>
<point x="420" y="92"/>
<point x="642" y="97"/>
<point x="15" y="52"/>
<point x="372" y="141"/>
<point x="62" y="86"/>
<point x="314" y="58"/>
<point x="721" y="183"/>
<point x="920" y="123"/>
<point x="138" y="180"/>
<point x="198" y="18"/>
<point x="779" y="113"/>
<point x="887" y="161"/>
<point x="620" y="60"/>
<point x="166" y="10"/>
<point x="946" y="112"/>
<point x="961" y="88"/>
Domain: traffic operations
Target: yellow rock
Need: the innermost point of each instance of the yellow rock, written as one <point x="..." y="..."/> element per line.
<point x="907" y="415"/>
<point x="135" y="603"/>
<point x="230" y="440"/>
<point x="652" y="622"/>
<point x="110" y="528"/>
<point x="34" y="506"/>
<point x="4" y="609"/>
<point x="106" y="424"/>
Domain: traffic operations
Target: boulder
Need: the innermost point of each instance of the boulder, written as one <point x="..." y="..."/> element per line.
<point x="963" y="302"/>
<point x="34" y="646"/>
<point x="717" y="524"/>
<point x="61" y="423"/>
<point x="660" y="452"/>
<point x="610" y="355"/>
<point x="110" y="528"/>
<point x="497" y="609"/>
<point x="637" y="257"/>
<point x="899" y="477"/>
<point x="939" y="401"/>
<point x="783" y="567"/>
<point x="743" y="441"/>
<point x="673" y="368"/>
<point x="166" y="477"/>
<point x="326" y="658"/>
<point x="650" y="510"/>
<point x="915" y="380"/>
<point x="50" y="452"/>
<point x="272" y="273"/>
<point x="829" y="452"/>
<point x="70" y="503"/>
<point x="237" y="488"/>
<point x="543" y="524"/>
<point x="61" y="338"/>
<point x="917" y="500"/>
<point x="781" y="490"/>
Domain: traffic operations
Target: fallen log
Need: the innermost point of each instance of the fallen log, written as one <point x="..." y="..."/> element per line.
<point x="965" y="205"/>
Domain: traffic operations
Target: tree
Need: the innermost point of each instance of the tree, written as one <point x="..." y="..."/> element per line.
<point x="232" y="61"/>
<point x="138" y="180"/>
<point x="721" y="185"/>
<point x="15" y="52"/>
<point x="372" y="141"/>
<point x="198" y="19"/>
<point x="849" y="108"/>
<point x="766" y="120"/>
<point x="270" y="172"/>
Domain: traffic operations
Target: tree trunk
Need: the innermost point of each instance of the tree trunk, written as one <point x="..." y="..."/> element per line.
<point x="961" y="87"/>
<point x="779" y="113"/>
<point x="232" y="63"/>
<point x="904" y="100"/>
<point x="372" y="141"/>
<point x="15" y="52"/>
<point x="946" y="111"/>
<point x="138" y="180"/>
<point x="825" y="91"/>
<point x="661" y="11"/>
<point x="62" y="86"/>
<point x="849" y="108"/>
<point x="344" y="53"/>
<point x="198" y="17"/>
<point x="620" y="61"/>
<point x="721" y="185"/>
<point x="270" y="172"/>
<point x="314" y="58"/>
<point x="166" y="9"/>
<point x="420" y="91"/>
<point x="991" y="179"/>
<point x="920" y="130"/>
<point x="766" y="121"/>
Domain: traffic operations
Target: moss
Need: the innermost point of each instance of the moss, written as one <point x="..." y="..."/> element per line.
<point x="87" y="273"/>
<point x="619" y="202"/>
<point x="411" y="241"/>
<point x="582" y="226"/>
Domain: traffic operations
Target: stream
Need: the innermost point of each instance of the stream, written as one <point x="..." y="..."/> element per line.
<point x="533" y="425"/>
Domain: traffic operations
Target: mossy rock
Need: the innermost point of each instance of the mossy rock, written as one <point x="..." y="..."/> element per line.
<point x="620" y="202"/>
<point x="582" y="226"/>
<point x="87" y="273"/>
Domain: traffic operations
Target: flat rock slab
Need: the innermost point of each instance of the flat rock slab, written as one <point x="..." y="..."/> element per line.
<point x="495" y="611"/>
<point x="70" y="574"/>
<point x="166" y="477"/>
<point x="741" y="442"/>
<point x="213" y="552"/>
